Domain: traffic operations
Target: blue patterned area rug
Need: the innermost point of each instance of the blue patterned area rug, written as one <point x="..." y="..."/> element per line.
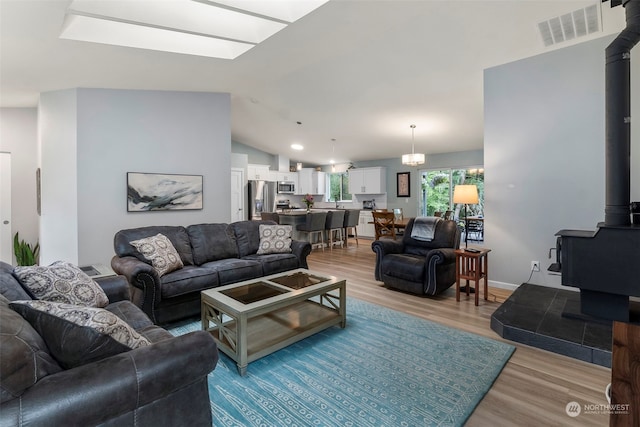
<point x="385" y="368"/>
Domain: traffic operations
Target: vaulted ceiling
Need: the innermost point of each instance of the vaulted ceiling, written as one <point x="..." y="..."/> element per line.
<point x="357" y="71"/>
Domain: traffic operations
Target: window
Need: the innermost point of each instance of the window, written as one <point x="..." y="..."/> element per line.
<point x="338" y="187"/>
<point x="437" y="190"/>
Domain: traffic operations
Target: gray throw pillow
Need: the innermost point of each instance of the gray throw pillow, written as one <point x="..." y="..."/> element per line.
<point x="274" y="239"/>
<point x="160" y="252"/>
<point x="76" y="335"/>
<point x="61" y="282"/>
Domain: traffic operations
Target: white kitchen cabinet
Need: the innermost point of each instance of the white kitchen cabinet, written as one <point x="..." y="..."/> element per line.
<point x="364" y="228"/>
<point x="258" y="172"/>
<point x="310" y="181"/>
<point x="368" y="180"/>
<point x="288" y="177"/>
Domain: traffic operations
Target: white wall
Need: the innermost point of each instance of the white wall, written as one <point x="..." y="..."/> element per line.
<point x="120" y="131"/>
<point x="544" y="155"/>
<point x="18" y="136"/>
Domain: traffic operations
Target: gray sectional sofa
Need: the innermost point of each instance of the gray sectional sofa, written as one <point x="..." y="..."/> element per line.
<point x="213" y="255"/>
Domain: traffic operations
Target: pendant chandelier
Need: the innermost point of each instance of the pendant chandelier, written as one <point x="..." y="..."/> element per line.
<point x="414" y="158"/>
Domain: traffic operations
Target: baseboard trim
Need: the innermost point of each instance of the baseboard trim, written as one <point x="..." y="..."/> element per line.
<point x="503" y="285"/>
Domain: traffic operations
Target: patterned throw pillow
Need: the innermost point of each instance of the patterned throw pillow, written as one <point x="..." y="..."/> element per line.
<point x="160" y="252"/>
<point x="274" y="239"/>
<point x="62" y="282"/>
<point x="76" y="335"/>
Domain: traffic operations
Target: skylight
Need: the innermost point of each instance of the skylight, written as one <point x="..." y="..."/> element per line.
<point x="222" y="29"/>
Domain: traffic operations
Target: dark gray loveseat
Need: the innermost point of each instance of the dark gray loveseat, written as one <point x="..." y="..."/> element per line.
<point x="213" y="255"/>
<point x="163" y="384"/>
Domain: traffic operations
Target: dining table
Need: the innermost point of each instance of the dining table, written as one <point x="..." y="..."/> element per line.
<point x="399" y="224"/>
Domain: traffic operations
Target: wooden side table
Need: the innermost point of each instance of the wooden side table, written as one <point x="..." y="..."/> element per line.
<point x="472" y="266"/>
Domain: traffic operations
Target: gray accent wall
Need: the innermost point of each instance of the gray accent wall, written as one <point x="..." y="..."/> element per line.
<point x="91" y="138"/>
<point x="544" y="155"/>
<point x="19" y="136"/>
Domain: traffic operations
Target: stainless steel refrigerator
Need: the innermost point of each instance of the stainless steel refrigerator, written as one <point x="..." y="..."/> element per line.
<point x="262" y="198"/>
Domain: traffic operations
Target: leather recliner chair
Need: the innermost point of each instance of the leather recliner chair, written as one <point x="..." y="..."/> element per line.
<point x="419" y="267"/>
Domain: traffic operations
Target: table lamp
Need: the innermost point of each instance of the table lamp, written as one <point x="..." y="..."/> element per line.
<point x="467" y="195"/>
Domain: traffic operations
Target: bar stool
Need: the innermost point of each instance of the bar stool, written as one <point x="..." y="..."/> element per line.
<point x="314" y="225"/>
<point x="270" y="216"/>
<point x="334" y="225"/>
<point x="351" y="219"/>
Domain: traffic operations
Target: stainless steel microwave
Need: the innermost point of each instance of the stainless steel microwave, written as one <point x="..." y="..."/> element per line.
<point x="286" y="187"/>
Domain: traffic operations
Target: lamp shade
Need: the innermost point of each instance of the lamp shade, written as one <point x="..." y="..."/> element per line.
<point x="413" y="159"/>
<point x="466" y="194"/>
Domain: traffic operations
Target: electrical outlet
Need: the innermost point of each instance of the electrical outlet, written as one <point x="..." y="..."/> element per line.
<point x="535" y="265"/>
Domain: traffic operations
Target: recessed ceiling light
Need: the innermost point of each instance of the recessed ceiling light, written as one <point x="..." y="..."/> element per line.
<point x="297" y="147"/>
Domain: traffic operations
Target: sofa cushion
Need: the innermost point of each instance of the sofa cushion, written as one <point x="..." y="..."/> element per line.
<point x="130" y="313"/>
<point x="61" y="282"/>
<point x="404" y="266"/>
<point x="10" y="288"/>
<point x="234" y="270"/>
<point x="160" y="251"/>
<point x="188" y="280"/>
<point x="274" y="239"/>
<point x="248" y="236"/>
<point x="24" y="358"/>
<point x="76" y="335"/>
<point x="138" y="320"/>
<point x="177" y="234"/>
<point x="211" y="242"/>
<point x="275" y="263"/>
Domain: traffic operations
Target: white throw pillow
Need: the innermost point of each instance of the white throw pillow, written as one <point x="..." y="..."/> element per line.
<point x="160" y="252"/>
<point x="274" y="239"/>
<point x="62" y="282"/>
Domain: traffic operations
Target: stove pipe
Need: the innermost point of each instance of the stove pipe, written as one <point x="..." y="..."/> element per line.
<point x="618" y="118"/>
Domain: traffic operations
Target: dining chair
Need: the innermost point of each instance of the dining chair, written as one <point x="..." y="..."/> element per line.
<point x="448" y="215"/>
<point x="384" y="223"/>
<point x="437" y="213"/>
<point x="476" y="228"/>
<point x="398" y="216"/>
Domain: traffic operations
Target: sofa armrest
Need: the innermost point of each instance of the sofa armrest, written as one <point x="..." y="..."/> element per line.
<point x="382" y="248"/>
<point x="441" y="255"/>
<point x="97" y="392"/>
<point x="141" y="276"/>
<point x="116" y="288"/>
<point x="301" y="249"/>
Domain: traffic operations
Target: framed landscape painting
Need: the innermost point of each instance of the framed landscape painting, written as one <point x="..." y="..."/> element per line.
<point x="163" y="192"/>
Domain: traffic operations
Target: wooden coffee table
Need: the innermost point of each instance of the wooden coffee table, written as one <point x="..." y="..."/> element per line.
<point x="254" y="318"/>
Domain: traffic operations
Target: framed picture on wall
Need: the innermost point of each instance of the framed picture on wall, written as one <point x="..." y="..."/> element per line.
<point x="163" y="192"/>
<point x="403" y="184"/>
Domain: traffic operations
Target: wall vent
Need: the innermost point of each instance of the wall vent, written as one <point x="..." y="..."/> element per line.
<point x="572" y="25"/>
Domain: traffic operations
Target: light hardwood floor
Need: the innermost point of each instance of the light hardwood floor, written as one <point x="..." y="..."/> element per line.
<point x="535" y="386"/>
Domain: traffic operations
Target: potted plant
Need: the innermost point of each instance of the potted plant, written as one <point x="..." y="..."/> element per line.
<point x="25" y="253"/>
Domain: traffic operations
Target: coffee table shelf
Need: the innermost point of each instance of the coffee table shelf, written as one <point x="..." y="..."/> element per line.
<point x="249" y="331"/>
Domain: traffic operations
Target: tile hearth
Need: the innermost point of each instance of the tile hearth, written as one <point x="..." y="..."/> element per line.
<point x="537" y="316"/>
